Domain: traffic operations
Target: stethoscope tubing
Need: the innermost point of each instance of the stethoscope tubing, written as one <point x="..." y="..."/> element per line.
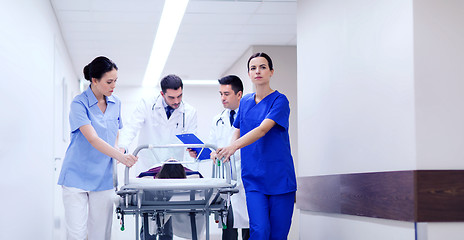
<point x="220" y="118"/>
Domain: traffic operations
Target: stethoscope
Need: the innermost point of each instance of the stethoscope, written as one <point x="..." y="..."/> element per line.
<point x="183" y="114"/>
<point x="220" y="118"/>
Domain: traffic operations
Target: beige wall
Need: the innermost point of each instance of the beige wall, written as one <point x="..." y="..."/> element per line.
<point x="239" y="68"/>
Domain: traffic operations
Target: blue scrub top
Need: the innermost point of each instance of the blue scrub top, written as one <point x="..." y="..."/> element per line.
<point x="267" y="164"/>
<point x="85" y="167"/>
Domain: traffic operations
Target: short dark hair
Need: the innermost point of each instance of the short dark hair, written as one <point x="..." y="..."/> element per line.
<point x="98" y="67"/>
<point x="264" y="55"/>
<point x="234" y="81"/>
<point x="171" y="81"/>
<point x="171" y="170"/>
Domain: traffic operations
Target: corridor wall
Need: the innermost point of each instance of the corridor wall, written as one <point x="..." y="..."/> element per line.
<point x="37" y="82"/>
<point x="380" y="83"/>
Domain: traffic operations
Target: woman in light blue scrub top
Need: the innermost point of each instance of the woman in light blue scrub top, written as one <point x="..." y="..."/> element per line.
<point x="268" y="173"/>
<point x="87" y="171"/>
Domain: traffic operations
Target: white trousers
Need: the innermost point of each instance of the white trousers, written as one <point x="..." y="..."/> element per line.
<point x="88" y="214"/>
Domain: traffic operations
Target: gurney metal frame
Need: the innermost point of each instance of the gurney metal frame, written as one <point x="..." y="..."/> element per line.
<point x="216" y="197"/>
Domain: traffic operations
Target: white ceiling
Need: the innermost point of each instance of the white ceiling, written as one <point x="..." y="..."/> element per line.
<point x="212" y="36"/>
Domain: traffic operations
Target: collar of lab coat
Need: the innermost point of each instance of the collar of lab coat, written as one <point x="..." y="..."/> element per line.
<point x="226" y="113"/>
<point x="160" y="103"/>
<point x="93" y="100"/>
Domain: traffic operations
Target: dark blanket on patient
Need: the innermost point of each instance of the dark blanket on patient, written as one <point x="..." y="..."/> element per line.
<point x="152" y="172"/>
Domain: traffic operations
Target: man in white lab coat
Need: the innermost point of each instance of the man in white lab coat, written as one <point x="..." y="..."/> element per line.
<point x="158" y="120"/>
<point x="231" y="90"/>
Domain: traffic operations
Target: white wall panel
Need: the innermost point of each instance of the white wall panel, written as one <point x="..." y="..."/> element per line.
<point x="329" y="226"/>
<point x="439" y="231"/>
<point x="29" y="40"/>
<point x="355" y="86"/>
<point x="439" y="72"/>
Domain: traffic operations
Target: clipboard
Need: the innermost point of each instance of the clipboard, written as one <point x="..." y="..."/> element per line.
<point x="190" y="138"/>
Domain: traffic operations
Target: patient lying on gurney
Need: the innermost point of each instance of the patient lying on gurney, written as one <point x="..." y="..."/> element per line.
<point x="181" y="224"/>
<point x="170" y="172"/>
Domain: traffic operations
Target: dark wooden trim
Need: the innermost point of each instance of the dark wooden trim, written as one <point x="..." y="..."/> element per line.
<point x="328" y="197"/>
<point x="440" y="196"/>
<point x="415" y="196"/>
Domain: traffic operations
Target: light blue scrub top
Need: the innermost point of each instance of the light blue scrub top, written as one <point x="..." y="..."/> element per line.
<point x="85" y="167"/>
<point x="267" y="164"/>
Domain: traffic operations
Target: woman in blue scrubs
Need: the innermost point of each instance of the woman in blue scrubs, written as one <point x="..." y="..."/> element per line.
<point x="87" y="171"/>
<point x="268" y="173"/>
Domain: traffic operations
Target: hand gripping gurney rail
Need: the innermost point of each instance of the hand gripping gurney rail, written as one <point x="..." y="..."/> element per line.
<point x="156" y="198"/>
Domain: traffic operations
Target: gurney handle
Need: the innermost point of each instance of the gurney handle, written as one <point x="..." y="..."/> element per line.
<point x="229" y="190"/>
<point x="127" y="191"/>
<point x="150" y="146"/>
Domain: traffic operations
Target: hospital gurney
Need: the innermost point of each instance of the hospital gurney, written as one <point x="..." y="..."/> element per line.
<point x="156" y="198"/>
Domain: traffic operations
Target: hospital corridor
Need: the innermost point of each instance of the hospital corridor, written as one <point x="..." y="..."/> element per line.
<point x="232" y="119"/>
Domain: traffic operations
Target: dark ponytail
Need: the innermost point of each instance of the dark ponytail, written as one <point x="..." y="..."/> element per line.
<point x="264" y="55"/>
<point x="98" y="67"/>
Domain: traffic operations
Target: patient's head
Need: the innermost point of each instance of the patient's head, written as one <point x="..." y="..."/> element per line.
<point x="171" y="169"/>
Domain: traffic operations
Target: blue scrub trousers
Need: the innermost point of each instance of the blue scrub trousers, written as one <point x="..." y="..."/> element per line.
<point x="270" y="215"/>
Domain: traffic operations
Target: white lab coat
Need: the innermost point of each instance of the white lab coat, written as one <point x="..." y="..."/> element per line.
<point x="149" y="120"/>
<point x="220" y="135"/>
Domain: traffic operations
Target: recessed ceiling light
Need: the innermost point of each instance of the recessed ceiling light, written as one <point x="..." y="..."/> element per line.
<point x="173" y="12"/>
